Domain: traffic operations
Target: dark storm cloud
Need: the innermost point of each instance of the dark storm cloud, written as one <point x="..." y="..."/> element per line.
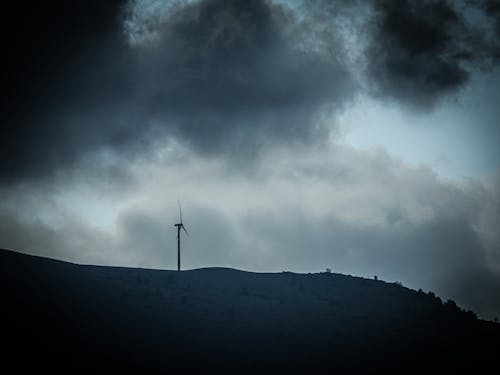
<point x="44" y="45"/>
<point x="492" y="8"/>
<point x="232" y="79"/>
<point x="223" y="77"/>
<point x="421" y="51"/>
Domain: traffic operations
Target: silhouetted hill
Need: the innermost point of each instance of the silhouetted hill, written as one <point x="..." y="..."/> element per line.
<point x="66" y="317"/>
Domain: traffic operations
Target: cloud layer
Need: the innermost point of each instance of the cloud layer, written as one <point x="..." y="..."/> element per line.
<point x="229" y="77"/>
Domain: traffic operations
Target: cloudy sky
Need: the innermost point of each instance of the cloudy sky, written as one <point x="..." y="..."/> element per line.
<point x="362" y="136"/>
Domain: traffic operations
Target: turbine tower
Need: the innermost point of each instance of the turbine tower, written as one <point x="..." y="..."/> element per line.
<point x="179" y="226"/>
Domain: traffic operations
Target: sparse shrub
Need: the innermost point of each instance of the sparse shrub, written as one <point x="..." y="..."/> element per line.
<point x="450" y="304"/>
<point x="328" y="270"/>
<point x="375" y="277"/>
<point x="471" y="314"/>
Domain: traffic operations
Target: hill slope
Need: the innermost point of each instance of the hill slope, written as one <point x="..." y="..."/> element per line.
<point x="68" y="317"/>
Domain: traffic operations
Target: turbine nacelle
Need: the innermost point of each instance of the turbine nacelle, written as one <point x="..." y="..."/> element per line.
<point x="179" y="226"/>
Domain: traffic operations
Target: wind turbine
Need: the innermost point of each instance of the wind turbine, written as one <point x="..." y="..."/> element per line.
<point x="179" y="226"/>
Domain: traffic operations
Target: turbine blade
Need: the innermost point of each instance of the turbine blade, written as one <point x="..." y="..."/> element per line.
<point x="180" y="210"/>
<point x="184" y="228"/>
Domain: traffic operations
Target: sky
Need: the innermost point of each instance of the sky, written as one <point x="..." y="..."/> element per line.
<point x="360" y="136"/>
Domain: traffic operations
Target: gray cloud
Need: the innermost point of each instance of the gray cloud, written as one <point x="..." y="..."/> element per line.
<point x="357" y="213"/>
<point x="445" y="255"/>
<point x="86" y="243"/>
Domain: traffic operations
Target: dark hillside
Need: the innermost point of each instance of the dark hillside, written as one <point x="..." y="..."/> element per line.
<point x="67" y="317"/>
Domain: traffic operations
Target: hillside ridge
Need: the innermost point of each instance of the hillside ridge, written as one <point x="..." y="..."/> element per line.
<point x="227" y="320"/>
